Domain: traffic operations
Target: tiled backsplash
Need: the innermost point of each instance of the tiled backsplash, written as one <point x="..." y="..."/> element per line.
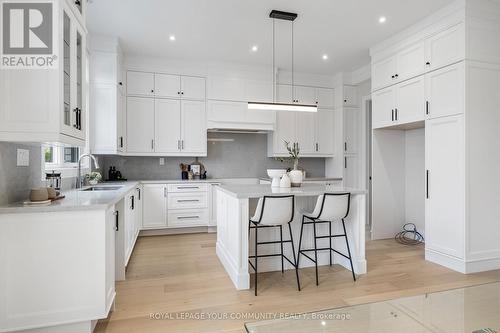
<point x="246" y="156"/>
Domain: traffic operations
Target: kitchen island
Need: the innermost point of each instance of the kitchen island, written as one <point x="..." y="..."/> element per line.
<point x="236" y="204"/>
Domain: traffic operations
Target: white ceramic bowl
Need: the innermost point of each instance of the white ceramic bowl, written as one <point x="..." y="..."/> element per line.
<point x="276" y="173"/>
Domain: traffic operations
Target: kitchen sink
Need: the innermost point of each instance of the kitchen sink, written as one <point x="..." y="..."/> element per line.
<point x="102" y="188"/>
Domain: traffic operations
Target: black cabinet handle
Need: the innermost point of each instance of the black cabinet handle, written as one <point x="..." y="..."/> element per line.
<point x="345" y="162"/>
<point x="345" y="146"/>
<point x="393" y="76"/>
<point x="428" y="63"/>
<point x="138" y="193"/>
<point x="392" y="115"/>
<point x="427" y="184"/>
<point x="120" y="83"/>
<point x="396" y="75"/>
<point x="182" y="92"/>
<point x="132" y="202"/>
<point x="116" y="214"/>
<point x="121" y="141"/>
<point x="152" y="91"/>
<point x="178" y="93"/>
<point x="426" y="107"/>
<point x="396" y="114"/>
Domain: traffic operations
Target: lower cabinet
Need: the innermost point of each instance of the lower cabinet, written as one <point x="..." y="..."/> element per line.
<point x="445" y="187"/>
<point x="154" y="206"/>
<point x="175" y="205"/>
<point x="351" y="171"/>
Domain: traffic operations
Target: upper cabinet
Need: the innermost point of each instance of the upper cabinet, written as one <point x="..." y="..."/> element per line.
<point x="440" y="49"/>
<point x="166" y="115"/>
<point x="165" y="85"/>
<point x="107" y="97"/>
<point x="311" y="131"/>
<point x="56" y="108"/>
<point x="349" y="96"/>
<point x="445" y="48"/>
<point x="236" y="89"/>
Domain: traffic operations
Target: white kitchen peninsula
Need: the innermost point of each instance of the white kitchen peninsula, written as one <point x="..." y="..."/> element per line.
<point x="235" y="205"/>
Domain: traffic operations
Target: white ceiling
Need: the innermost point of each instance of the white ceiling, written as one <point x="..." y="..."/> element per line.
<point x="225" y="30"/>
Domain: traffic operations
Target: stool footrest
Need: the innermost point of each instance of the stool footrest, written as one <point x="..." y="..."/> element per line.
<point x="274" y="242"/>
<point x="323" y="249"/>
<point x="331" y="236"/>
<point x="269" y="255"/>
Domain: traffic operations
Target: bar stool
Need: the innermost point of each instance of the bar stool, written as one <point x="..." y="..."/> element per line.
<point x="273" y="212"/>
<point x="329" y="207"/>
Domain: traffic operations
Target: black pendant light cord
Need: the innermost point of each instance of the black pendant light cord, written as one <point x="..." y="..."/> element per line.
<point x="293" y="79"/>
<point x="274" y="72"/>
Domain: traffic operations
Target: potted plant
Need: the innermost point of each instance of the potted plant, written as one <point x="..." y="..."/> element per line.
<point x="295" y="175"/>
<point x="93" y="178"/>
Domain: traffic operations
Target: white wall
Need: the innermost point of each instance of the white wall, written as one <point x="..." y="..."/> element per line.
<point x="415" y="178"/>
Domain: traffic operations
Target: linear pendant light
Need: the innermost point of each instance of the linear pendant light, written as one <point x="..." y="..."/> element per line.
<point x="276" y="14"/>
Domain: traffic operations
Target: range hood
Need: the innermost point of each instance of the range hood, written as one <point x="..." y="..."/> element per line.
<point x="235" y="117"/>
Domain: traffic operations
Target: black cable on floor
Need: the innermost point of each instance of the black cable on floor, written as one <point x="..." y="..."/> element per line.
<point x="409" y="235"/>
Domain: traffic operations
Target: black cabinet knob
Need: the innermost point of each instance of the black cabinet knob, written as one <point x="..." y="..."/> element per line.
<point x="428" y="63"/>
<point x="152" y="90"/>
<point x="120" y="83"/>
<point x="392" y="76"/>
<point x="396" y="75"/>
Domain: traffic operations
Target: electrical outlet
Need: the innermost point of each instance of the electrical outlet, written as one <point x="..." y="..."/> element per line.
<point x="23" y="157"/>
<point x="162" y="160"/>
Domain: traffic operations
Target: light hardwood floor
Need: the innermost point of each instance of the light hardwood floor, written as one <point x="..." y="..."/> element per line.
<point x="181" y="274"/>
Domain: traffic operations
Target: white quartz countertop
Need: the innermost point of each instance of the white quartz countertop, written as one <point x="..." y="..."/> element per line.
<point x="257" y="191"/>
<point x="77" y="200"/>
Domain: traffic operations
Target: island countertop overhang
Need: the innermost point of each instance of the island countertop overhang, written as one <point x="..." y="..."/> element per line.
<point x="245" y="191"/>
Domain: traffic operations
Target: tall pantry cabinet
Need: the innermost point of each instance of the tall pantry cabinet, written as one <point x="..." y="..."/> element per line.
<point x="444" y="81"/>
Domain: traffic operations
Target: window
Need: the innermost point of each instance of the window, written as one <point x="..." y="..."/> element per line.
<point x="63" y="159"/>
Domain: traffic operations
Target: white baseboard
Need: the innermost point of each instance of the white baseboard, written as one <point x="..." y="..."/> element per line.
<point x="447" y="261"/>
<point x="175" y="231"/>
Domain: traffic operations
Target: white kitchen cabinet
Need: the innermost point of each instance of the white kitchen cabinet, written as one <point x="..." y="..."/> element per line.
<point x="325" y="132"/>
<point x="193" y="88"/>
<point x="305" y="95"/>
<point x="154" y="206"/>
<point x="167" y="125"/>
<point x="258" y="91"/>
<point x="138" y="209"/>
<point x="383" y="105"/>
<point x="305" y="132"/>
<point x="410" y="101"/>
<point x="129" y="225"/>
<point x="325" y="98"/>
<point x="351" y="171"/>
<point x="236" y="115"/>
<point x="193" y="128"/>
<point x="383" y="73"/>
<point x="49" y="105"/>
<point x="350" y="96"/>
<point x="140" y="124"/>
<point x="410" y="62"/>
<point x="285" y="131"/>
<point x="445" y="187"/>
<point x="140" y="83"/>
<point x="110" y="235"/>
<point x="213" y="205"/>
<point x="445" y="48"/>
<point x="107" y="100"/>
<point x="166" y="85"/>
<point x="445" y="91"/>
<point x="284" y="94"/>
<point x="351" y="130"/>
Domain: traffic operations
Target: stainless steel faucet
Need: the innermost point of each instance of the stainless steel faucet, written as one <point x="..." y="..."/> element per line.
<point x="79" y="180"/>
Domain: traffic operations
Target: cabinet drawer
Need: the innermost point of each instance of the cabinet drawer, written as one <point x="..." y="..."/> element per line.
<point x="181" y="200"/>
<point x="188" y="218"/>
<point x="187" y="188"/>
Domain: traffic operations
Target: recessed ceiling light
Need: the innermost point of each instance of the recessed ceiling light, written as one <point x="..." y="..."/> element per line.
<point x="255" y="48"/>
<point x="325" y="57"/>
<point x="172" y="38"/>
<point x="382" y="19"/>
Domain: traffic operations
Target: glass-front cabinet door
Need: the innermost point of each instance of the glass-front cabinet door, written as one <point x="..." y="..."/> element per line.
<point x="73" y="118"/>
<point x="66" y="52"/>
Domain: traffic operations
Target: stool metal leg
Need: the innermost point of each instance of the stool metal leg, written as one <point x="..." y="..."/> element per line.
<point x="348" y="250"/>
<point x="300" y="241"/>
<point x="316" y="254"/>
<point x="295" y="259"/>
<point x="282" y="259"/>
<point x="330" y="239"/>
<point x="256" y="259"/>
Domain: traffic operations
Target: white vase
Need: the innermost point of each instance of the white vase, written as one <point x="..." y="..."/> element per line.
<point x="285" y="181"/>
<point x="93" y="182"/>
<point x="295" y="177"/>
